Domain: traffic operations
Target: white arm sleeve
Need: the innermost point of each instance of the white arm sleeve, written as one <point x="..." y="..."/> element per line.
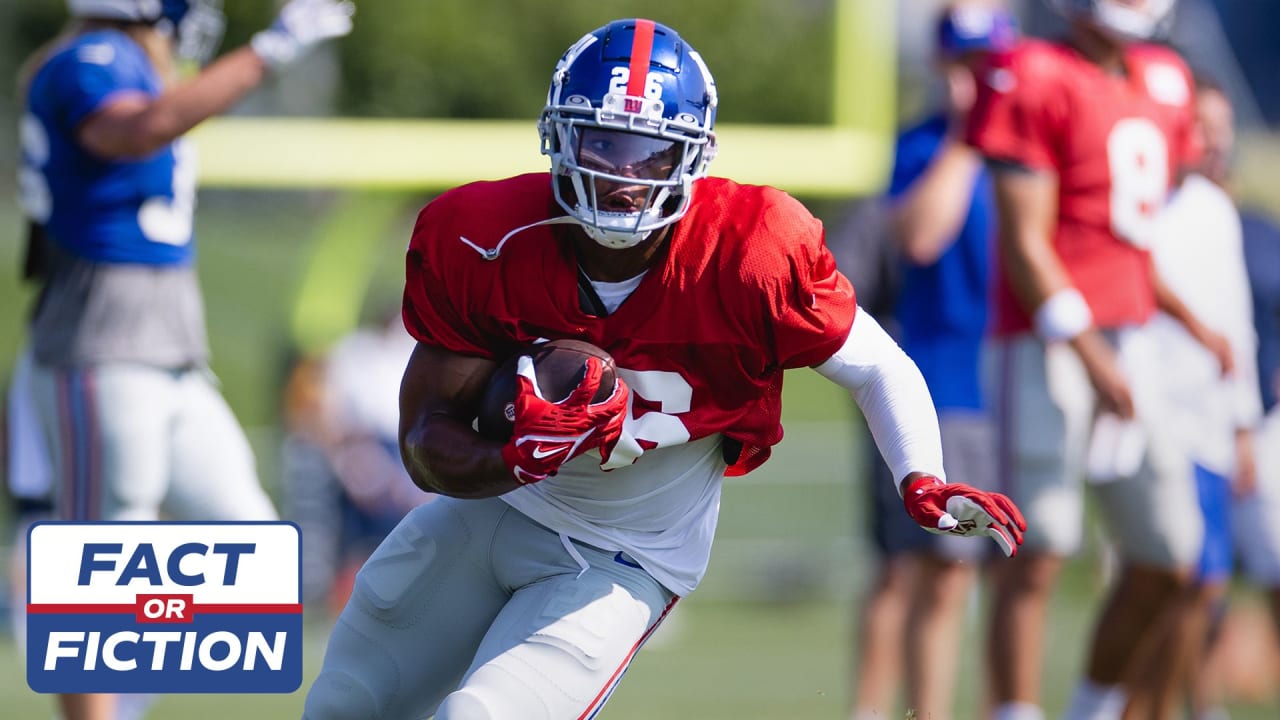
<point x="894" y="399"/>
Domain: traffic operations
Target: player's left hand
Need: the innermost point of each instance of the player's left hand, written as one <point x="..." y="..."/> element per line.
<point x="963" y="510"/>
<point x="301" y="25"/>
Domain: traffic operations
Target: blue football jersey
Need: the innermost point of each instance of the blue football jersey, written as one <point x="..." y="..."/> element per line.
<point x="942" y="307"/>
<point x="136" y="211"/>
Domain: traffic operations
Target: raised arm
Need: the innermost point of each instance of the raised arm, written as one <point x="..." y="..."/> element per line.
<point x="134" y="125"/>
<point x="927" y="219"/>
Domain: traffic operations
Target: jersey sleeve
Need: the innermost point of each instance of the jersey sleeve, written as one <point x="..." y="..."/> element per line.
<point x="90" y="74"/>
<point x="813" y="302"/>
<point x="1019" y="111"/>
<point x="435" y="304"/>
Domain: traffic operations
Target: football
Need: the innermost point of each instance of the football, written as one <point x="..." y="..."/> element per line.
<point x="559" y="366"/>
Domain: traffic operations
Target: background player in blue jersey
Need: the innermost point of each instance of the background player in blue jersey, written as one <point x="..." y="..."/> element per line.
<point x="135" y="423"/>
<point x="942" y="221"/>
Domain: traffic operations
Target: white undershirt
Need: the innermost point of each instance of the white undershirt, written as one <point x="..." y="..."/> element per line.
<point x="613" y="293"/>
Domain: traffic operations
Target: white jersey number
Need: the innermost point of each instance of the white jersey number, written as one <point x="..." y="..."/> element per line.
<point x="172" y="222"/>
<point x="672" y="394"/>
<point x="162" y="220"/>
<point x="1138" y="158"/>
<point x="621" y="76"/>
<point x="33" y="188"/>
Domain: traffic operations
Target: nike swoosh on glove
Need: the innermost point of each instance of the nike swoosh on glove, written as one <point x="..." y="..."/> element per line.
<point x="548" y="434"/>
<point x="964" y="510"/>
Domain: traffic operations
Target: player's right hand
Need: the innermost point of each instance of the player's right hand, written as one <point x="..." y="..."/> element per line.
<point x="548" y="434"/>
<point x="300" y="26"/>
<point x="1103" y="369"/>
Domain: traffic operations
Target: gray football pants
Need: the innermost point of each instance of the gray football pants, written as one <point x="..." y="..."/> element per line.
<point x="128" y="441"/>
<point x="471" y="610"/>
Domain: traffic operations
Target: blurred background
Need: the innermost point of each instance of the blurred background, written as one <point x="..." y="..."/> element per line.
<point x="302" y="226"/>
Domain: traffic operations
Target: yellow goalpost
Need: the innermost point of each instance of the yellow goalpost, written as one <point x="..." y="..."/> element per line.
<point x="849" y="156"/>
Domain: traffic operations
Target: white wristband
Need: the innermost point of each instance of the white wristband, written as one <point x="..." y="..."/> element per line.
<point x="1063" y="316"/>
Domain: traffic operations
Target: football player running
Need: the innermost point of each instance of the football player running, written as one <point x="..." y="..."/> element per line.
<point x="1086" y="137"/>
<point x="120" y="381"/>
<point x="526" y="592"/>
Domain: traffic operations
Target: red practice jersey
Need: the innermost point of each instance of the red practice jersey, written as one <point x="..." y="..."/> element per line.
<point x="744" y="289"/>
<point x="1116" y="145"/>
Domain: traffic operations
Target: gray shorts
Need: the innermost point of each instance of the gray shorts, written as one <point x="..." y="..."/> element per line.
<point x="471" y="609"/>
<point x="968" y="449"/>
<point x="1050" y="437"/>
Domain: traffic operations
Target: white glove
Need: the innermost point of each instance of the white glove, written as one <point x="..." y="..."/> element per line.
<point x="301" y="25"/>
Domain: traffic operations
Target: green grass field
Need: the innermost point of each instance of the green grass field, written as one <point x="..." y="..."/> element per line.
<point x="770" y="632"/>
<point x="715" y="661"/>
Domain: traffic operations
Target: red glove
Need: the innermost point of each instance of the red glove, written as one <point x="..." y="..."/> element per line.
<point x="964" y="510"/>
<point x="611" y="431"/>
<point x="549" y="434"/>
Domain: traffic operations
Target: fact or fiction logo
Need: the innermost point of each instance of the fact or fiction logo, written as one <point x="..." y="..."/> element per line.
<point x="143" y="607"/>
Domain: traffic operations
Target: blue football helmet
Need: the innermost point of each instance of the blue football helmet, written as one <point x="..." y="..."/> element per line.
<point x="962" y="29"/>
<point x="1130" y="22"/>
<point x="197" y="25"/>
<point x="631" y="108"/>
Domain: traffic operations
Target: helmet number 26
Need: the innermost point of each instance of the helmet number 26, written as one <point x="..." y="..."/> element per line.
<point x="621" y="77"/>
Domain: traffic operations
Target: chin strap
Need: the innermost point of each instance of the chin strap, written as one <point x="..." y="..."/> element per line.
<point x="600" y="236"/>
<point x="494" y="252"/>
